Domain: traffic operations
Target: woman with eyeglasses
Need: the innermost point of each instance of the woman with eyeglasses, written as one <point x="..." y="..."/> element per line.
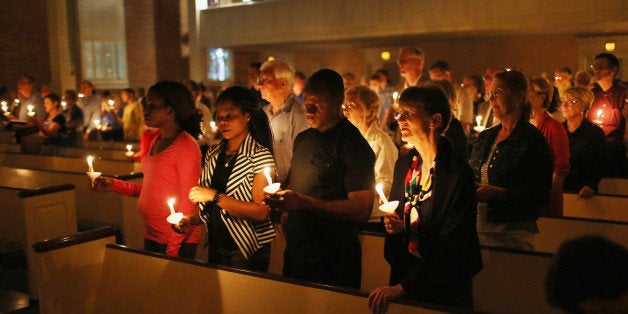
<point x="587" y="143"/>
<point x="540" y="96"/>
<point x="431" y="242"/>
<point x="171" y="167"/>
<point x="512" y="166"/>
<point x="230" y="191"/>
<point x="361" y="108"/>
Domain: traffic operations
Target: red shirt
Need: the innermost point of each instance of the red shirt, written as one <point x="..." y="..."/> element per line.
<point x="170" y="173"/>
<point x="556" y="136"/>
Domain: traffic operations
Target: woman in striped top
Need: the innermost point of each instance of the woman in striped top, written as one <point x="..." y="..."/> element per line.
<point x="230" y="190"/>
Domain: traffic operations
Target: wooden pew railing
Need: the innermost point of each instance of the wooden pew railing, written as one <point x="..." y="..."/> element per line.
<point x="108" y="208"/>
<point x="32" y="213"/>
<point x="70" y="269"/>
<point x="613" y="186"/>
<point x="603" y="207"/>
<point x="72" y="164"/>
<point x="553" y="231"/>
<point x="134" y="281"/>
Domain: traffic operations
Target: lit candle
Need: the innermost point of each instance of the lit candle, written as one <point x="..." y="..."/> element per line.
<point x="479" y="127"/>
<point x="213" y="127"/>
<point x="97" y="124"/>
<point x="395" y="99"/>
<point x="387" y="207"/>
<point x="599" y="115"/>
<point x="173" y="218"/>
<point x="380" y="190"/>
<point x="271" y="188"/>
<point x="267" y="175"/>
<point x="81" y="95"/>
<point x="111" y="103"/>
<point x="5" y="106"/>
<point x="478" y="120"/>
<point x="30" y="110"/>
<point x="64" y="104"/>
<point x="17" y="101"/>
<point x="90" y="160"/>
<point x="129" y="150"/>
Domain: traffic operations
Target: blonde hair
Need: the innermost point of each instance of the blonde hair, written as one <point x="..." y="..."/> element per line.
<point x="580" y="93"/>
<point x="541" y="85"/>
<point x="369" y="99"/>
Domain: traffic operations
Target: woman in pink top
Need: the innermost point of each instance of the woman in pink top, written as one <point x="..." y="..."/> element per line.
<point x="540" y="96"/>
<point x="145" y="141"/>
<point x="171" y="168"/>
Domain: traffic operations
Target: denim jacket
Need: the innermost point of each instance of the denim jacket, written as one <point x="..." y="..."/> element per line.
<point x="522" y="165"/>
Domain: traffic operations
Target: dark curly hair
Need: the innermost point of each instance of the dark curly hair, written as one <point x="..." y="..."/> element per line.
<point x="176" y="96"/>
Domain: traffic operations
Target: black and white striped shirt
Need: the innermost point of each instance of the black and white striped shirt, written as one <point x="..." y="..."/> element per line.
<point x="251" y="159"/>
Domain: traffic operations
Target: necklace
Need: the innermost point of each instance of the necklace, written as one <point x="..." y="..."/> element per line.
<point x="230" y="158"/>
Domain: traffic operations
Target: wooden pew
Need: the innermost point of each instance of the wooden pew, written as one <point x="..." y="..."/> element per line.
<point x="613" y="186"/>
<point x="510" y="282"/>
<point x="603" y="207"/>
<point x="70" y="269"/>
<point x="110" y="145"/>
<point x="553" y="231"/>
<point x="32" y="213"/>
<point x="132" y="281"/>
<point x="10" y="147"/>
<point x="79" y="152"/>
<point x="109" y="208"/>
<point x="71" y="164"/>
<point x="7" y="137"/>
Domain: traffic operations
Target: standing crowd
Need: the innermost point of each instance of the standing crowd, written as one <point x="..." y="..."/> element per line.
<point x="467" y="164"/>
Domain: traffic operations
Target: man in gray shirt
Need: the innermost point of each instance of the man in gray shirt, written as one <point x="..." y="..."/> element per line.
<point x="285" y="113"/>
<point x="90" y="104"/>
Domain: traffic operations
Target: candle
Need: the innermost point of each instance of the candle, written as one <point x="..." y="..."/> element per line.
<point x="478" y="120"/>
<point x="380" y="190"/>
<point x="171" y="205"/>
<point x="129" y="150"/>
<point x="267" y="175"/>
<point x="599" y="114"/>
<point x="5" y="106"/>
<point x="17" y="101"/>
<point x="81" y="95"/>
<point x="213" y="127"/>
<point x="111" y="103"/>
<point x="90" y="160"/>
<point x="97" y="124"/>
<point x="479" y="127"/>
<point x="173" y="218"/>
<point x="64" y="104"/>
<point x="30" y="110"/>
<point x="271" y="188"/>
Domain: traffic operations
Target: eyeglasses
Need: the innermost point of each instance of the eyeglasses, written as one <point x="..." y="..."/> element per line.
<point x="348" y="106"/>
<point x="226" y="118"/>
<point x="264" y="81"/>
<point x="495" y="94"/>
<point x="570" y="102"/>
<point x="403" y="114"/>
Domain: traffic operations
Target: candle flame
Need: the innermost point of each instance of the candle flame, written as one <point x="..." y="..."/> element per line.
<point x="129" y="147"/>
<point x="90" y="160"/>
<point x="599" y="112"/>
<point x="171" y="205"/>
<point x="379" y="187"/>
<point x="267" y="175"/>
<point x="478" y="119"/>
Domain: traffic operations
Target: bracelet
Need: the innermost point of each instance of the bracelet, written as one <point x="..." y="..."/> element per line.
<point x="216" y="197"/>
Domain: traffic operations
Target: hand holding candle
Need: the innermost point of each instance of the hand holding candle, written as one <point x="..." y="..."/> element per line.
<point x="174" y="218"/>
<point x="387" y="207"/>
<point x="271" y="188"/>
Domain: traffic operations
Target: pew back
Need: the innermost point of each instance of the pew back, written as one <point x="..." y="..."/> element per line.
<point x="553" y="231"/>
<point x="613" y="186"/>
<point x="71" y="164"/>
<point x="602" y="207"/>
<point x="139" y="282"/>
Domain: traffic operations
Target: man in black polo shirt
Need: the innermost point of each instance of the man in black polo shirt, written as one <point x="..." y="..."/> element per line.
<point x="330" y="190"/>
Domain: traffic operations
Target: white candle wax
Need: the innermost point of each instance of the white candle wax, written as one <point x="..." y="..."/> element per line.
<point x="267" y="174"/>
<point x="30" y="110"/>
<point x="171" y="205"/>
<point x="129" y="147"/>
<point x="90" y="160"/>
<point x="380" y="190"/>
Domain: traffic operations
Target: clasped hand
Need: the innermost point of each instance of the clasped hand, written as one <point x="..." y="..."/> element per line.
<point x="393" y="223"/>
<point x="287" y="200"/>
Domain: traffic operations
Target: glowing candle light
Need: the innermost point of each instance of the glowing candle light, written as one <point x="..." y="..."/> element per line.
<point x="91" y="173"/>
<point x="5" y="108"/>
<point x="380" y="190"/>
<point x="97" y="124"/>
<point x="387" y="207"/>
<point x="599" y="114"/>
<point x="90" y="163"/>
<point x="479" y="127"/>
<point x="64" y="104"/>
<point x="17" y="101"/>
<point x="30" y="110"/>
<point x="213" y="126"/>
<point x="271" y="188"/>
<point x="173" y="218"/>
<point x="81" y="95"/>
<point x="129" y="150"/>
<point x="111" y="104"/>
